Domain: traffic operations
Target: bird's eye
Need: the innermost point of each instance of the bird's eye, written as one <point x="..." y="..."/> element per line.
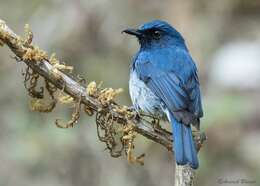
<point x="157" y="34"/>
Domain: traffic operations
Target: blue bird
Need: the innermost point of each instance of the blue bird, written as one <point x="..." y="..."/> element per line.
<point x="164" y="82"/>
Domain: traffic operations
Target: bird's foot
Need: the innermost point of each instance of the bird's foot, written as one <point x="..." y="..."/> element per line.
<point x="156" y="124"/>
<point x="200" y="138"/>
<point x="134" y="112"/>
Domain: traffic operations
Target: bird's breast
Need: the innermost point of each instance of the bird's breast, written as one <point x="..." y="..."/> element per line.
<point x="142" y="97"/>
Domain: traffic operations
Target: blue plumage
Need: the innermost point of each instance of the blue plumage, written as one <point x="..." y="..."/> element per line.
<point x="164" y="81"/>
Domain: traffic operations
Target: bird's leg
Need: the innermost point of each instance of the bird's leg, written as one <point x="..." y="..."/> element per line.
<point x="200" y="138"/>
<point x="136" y="114"/>
<point x="196" y="128"/>
<point x="156" y="123"/>
<point x="196" y="124"/>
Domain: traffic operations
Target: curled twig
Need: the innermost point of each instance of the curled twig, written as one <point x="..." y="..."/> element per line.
<point x="30" y="83"/>
<point x="88" y="110"/>
<point x="74" y="119"/>
<point x="128" y="139"/>
<point x="107" y="132"/>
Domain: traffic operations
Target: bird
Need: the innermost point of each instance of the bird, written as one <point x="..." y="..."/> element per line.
<point x="164" y="82"/>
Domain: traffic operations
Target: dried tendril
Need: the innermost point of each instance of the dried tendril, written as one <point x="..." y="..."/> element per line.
<point x="88" y="110"/>
<point x="128" y="139"/>
<point x="74" y="119"/>
<point x="106" y="132"/>
<point x="30" y="83"/>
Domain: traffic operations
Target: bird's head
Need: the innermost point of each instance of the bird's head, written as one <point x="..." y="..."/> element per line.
<point x="156" y="33"/>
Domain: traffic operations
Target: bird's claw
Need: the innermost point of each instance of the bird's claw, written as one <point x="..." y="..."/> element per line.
<point x="135" y="113"/>
<point x="156" y="124"/>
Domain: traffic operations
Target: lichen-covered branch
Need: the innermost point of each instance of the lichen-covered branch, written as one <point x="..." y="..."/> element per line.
<point x="116" y="124"/>
<point x="38" y="61"/>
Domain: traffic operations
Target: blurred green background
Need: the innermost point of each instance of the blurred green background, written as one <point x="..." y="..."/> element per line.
<point x="224" y="39"/>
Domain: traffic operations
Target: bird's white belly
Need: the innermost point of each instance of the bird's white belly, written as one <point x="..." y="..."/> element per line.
<point x="142" y="97"/>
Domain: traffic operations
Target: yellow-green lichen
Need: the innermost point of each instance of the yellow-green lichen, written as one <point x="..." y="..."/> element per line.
<point x="34" y="54"/>
<point x="28" y="35"/>
<point x="108" y="95"/>
<point x="67" y="99"/>
<point x="40" y="106"/>
<point x="92" y="89"/>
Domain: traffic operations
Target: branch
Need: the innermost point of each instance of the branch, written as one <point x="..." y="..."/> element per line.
<point x="184" y="176"/>
<point x="94" y="100"/>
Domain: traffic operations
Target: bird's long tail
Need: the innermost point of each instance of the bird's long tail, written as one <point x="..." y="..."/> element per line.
<point x="185" y="151"/>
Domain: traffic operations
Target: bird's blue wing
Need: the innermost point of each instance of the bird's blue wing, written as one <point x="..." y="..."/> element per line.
<point x="192" y="86"/>
<point x="181" y="95"/>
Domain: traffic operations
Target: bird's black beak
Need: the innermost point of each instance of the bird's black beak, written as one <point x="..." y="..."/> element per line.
<point x="134" y="32"/>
